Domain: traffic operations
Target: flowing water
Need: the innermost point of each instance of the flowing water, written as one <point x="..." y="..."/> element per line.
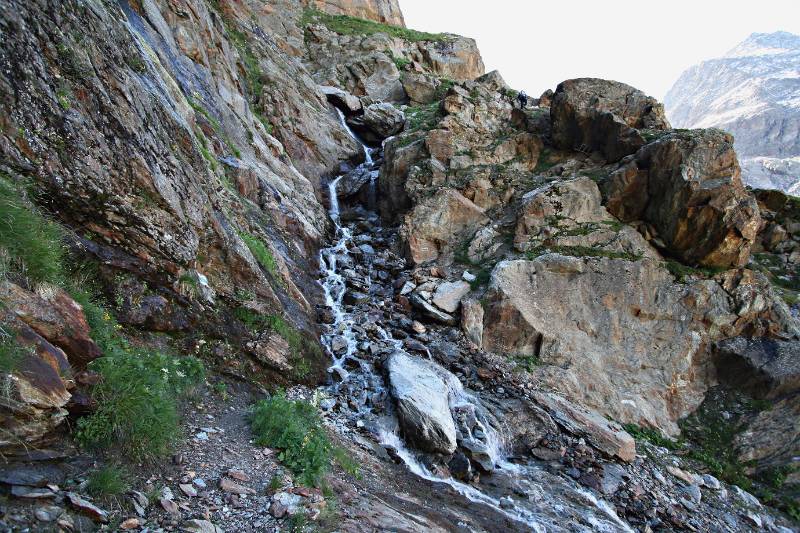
<point x="361" y="389"/>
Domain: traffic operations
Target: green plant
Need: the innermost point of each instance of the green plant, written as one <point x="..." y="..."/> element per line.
<point x="63" y="95"/>
<point x="651" y="435"/>
<point x="210" y="159"/>
<point x="109" y="480"/>
<point x="346" y="25"/>
<point x="423" y="117"/>
<point x="294" y="427"/>
<point x="137" y="395"/>
<point x="275" y="483"/>
<point x="221" y="388"/>
<point x="681" y="271"/>
<point x="31" y="243"/>
<point x="527" y="362"/>
<point x="260" y="251"/>
<point x="215" y="125"/>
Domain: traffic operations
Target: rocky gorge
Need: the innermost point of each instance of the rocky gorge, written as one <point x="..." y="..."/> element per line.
<point x="563" y="317"/>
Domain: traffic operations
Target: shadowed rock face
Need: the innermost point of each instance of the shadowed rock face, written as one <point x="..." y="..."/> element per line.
<point x="687" y="185"/>
<point x="591" y="114"/>
<point x="385" y="11"/>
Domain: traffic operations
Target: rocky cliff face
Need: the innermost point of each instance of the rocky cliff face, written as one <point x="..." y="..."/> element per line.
<point x="498" y="293"/>
<point x="752" y="92"/>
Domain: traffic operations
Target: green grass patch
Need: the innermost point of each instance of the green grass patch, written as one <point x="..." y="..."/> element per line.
<point x="445" y="84"/>
<point x="545" y="162"/>
<point x="526" y="362"/>
<point x="581" y="251"/>
<point x="423" y="117"/>
<point x="138" y="392"/>
<point x="346" y="25"/>
<point x="261" y="253"/>
<point x="301" y="347"/>
<point x="652" y="436"/>
<point x="31" y="245"/>
<point x="109" y="480"/>
<point x="64" y="97"/>
<point x="681" y="272"/>
<point x="295" y="428"/>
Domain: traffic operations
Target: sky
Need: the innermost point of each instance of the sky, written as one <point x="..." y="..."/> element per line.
<point x="647" y="44"/>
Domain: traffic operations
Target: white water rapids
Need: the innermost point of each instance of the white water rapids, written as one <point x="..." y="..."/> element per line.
<point x="567" y="507"/>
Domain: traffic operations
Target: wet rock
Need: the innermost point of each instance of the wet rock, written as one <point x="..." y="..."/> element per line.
<point x="342" y="99"/>
<point x="687" y="185"/>
<point x="378" y="122"/>
<point x="460" y="467"/>
<point x="422" y="403"/>
<point x="590" y="114"/>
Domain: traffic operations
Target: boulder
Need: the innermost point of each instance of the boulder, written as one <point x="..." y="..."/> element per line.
<point x="687" y="186"/>
<point x="591" y="114"/>
<point x="423" y="407"/>
<point x="378" y="122"/>
<point x="434" y="225"/>
<point x="420" y="87"/>
<point x="605" y="435"/>
<point x="448" y="295"/>
<point x="595" y="325"/>
<point x="766" y="368"/>
<point x="342" y="99"/>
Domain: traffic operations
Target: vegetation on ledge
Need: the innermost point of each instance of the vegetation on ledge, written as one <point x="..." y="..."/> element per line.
<point x="347" y="25"/>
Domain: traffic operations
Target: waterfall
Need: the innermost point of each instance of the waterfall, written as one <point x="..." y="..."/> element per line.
<point x="356" y="372"/>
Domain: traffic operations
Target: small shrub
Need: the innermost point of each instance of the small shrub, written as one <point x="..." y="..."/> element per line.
<point x="32" y="244"/>
<point x="527" y="362"/>
<point x="294" y="427"/>
<point x="109" y="480"/>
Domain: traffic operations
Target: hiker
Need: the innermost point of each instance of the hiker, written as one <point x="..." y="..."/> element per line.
<point x="523" y="99"/>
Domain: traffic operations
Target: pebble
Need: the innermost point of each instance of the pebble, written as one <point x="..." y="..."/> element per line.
<point x="48" y="513"/>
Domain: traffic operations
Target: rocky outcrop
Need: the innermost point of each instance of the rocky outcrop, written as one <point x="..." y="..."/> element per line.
<point x="384" y="11"/>
<point x="590" y="114"/>
<point x="687" y="187"/>
<point x="435" y="227"/>
<point x="765" y="368"/>
<point x="422" y="403"/>
<point x="46" y="338"/>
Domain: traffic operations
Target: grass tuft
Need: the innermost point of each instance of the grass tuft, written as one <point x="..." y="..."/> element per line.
<point x="109" y="480"/>
<point x="31" y="246"/>
<point x="261" y="253"/>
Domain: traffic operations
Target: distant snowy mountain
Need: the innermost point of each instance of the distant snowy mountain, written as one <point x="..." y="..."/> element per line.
<point x="753" y="91"/>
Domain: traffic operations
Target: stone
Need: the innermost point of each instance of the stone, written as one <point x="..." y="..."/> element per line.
<point x="285" y="504"/>
<point x="169" y="506"/>
<point x="687" y="186"/>
<point x="378" y="122"/>
<point x="683" y="475"/>
<point x="448" y="295"/>
<point x="130" y="523"/>
<point x="188" y="490"/>
<point x="342" y="99"/>
<point x="238" y="475"/>
<point x="87" y="508"/>
<point x="228" y="485"/>
<point x="423" y="407"/>
<point x="419" y="302"/>
<point x="200" y="526"/>
<point x="605" y="435"/>
<point x="460" y="467"/>
<point x="590" y="114"/>
<point x="48" y="513"/>
<point x="31" y="493"/>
